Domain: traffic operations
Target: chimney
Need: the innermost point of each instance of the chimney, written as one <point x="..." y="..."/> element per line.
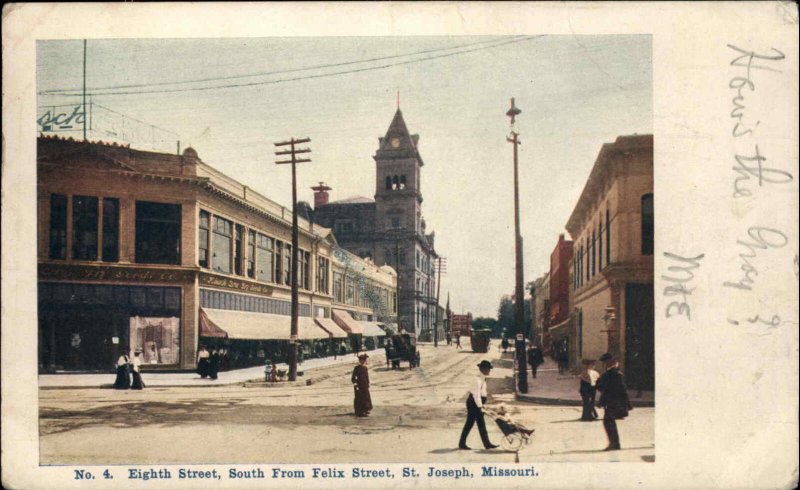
<point x="320" y="195"/>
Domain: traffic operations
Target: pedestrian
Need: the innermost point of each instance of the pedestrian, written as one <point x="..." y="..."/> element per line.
<point x="202" y="362"/>
<point x="504" y="344"/>
<point x="224" y="361"/>
<point x="449" y="338"/>
<point x="475" y="401"/>
<point x="213" y="364"/>
<point x="588" y="389"/>
<point x="136" y="362"/>
<point x="123" y="381"/>
<point x="458" y="341"/>
<point x="342" y="349"/>
<point x="613" y="399"/>
<point x="360" y="379"/>
<point x="299" y="354"/>
<point x="535" y="359"/>
<point x="563" y="358"/>
<point x="389" y="349"/>
<point x="273" y="374"/>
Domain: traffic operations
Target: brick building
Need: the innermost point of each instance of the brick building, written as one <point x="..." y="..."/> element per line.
<point x="612" y="226"/>
<point x="160" y="252"/>
<point x="461" y="325"/>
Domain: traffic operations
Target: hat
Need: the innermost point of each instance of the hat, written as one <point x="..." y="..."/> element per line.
<point x="485" y="365"/>
<point x="607" y="357"/>
<point x="363" y="356"/>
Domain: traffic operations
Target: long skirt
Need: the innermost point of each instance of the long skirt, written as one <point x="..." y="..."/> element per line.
<point x="362" y="402"/>
<point x="203" y="368"/>
<point x="123" y="381"/>
<point x="137" y="384"/>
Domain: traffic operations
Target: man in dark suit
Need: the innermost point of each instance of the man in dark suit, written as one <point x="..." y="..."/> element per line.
<point x="475" y="400"/>
<point x="535" y="358"/>
<point x="613" y="399"/>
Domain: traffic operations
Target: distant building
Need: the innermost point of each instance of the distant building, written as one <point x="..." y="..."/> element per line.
<point x="390" y="229"/>
<point x="540" y="312"/>
<point x="559" y="310"/>
<point x="461" y="324"/>
<point x="612" y="227"/>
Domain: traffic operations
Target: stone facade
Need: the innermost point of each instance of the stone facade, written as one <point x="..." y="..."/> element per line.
<point x="390" y="229"/>
<point x="612" y="268"/>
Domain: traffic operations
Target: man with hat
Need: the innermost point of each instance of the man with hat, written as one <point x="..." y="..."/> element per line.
<point x="613" y="398"/>
<point x="360" y="380"/>
<point x="475" y="400"/>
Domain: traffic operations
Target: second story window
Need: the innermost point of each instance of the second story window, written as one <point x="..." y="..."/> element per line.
<point x="648" y="224"/>
<point x="110" y="229"/>
<point x="251" y="254"/>
<point x="264" y="258"/>
<point x="158" y="233"/>
<point x="238" y="252"/>
<point x="221" y="245"/>
<point x="202" y="239"/>
<point x="323" y="266"/>
<point x="84" y="228"/>
<point x="58" y="226"/>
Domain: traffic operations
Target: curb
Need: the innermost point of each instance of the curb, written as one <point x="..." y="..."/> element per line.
<point x="569" y="402"/>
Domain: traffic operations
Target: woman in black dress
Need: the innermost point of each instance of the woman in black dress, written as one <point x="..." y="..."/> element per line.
<point x="123" y="381"/>
<point x="203" y="364"/>
<point x="136" y="362"/>
<point x="213" y="364"/>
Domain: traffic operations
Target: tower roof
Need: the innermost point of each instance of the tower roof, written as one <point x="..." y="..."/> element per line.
<point x="398" y="141"/>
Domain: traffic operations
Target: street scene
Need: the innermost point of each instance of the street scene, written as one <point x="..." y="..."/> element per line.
<point x="351" y="250"/>
<point x="417" y="417"/>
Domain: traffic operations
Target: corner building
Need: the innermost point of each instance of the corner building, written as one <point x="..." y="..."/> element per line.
<point x="161" y="253"/>
<point x="611" y="293"/>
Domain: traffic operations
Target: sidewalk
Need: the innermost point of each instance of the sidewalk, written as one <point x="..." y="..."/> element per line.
<point x="552" y="388"/>
<point x="162" y="380"/>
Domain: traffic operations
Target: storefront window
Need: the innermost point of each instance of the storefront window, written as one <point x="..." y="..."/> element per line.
<point x="110" y="229"/>
<point x="158" y="233"/>
<point x="221" y="245"/>
<point x="58" y="226"/>
<point x="156" y="338"/>
<point x="84" y="228"/>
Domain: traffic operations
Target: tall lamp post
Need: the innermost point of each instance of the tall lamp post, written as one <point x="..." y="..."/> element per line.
<point x="293" y="151"/>
<point x="519" y="294"/>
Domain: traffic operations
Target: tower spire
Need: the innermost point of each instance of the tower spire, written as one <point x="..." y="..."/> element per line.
<point x="398" y="99"/>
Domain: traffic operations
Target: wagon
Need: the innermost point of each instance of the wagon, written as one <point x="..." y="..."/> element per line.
<point x="402" y="349"/>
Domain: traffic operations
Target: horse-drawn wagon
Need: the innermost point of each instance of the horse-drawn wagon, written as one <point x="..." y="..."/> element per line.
<point x="402" y="348"/>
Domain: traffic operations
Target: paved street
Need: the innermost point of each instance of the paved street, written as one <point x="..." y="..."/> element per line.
<point x="417" y="417"/>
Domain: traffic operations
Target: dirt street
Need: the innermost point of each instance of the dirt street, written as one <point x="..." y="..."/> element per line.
<point x="417" y="417"/>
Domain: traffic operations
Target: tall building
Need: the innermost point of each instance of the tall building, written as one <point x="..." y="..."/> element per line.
<point x="389" y="228"/>
<point x="612" y="227"/>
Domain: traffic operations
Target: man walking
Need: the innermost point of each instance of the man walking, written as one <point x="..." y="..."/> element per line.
<point x="475" y="400"/>
<point x="613" y="398"/>
<point x="535" y="359"/>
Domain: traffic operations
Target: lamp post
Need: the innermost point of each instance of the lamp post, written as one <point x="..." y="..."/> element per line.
<point x="608" y="318"/>
<point x="519" y="300"/>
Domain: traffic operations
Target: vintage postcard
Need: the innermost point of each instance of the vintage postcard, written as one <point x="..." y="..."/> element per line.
<point x="476" y="245"/>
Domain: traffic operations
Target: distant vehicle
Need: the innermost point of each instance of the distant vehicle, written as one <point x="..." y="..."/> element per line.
<point x="480" y="339"/>
<point x="403" y="349"/>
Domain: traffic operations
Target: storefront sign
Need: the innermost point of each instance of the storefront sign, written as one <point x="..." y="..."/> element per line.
<point x="236" y="284"/>
<point x="106" y="273"/>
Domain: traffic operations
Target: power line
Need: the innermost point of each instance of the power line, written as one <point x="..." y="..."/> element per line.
<point x="277" y="72"/>
<point x="294" y="79"/>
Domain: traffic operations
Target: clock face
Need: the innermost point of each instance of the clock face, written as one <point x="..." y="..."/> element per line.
<point x="395" y="142"/>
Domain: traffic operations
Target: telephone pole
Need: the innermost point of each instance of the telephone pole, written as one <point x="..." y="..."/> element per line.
<point x="293" y="151"/>
<point x="519" y="300"/>
<point x="436" y="313"/>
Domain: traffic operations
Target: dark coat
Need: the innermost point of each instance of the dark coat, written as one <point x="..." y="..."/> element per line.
<point x="360" y="379"/>
<point x="614" y="394"/>
<point x="535" y="357"/>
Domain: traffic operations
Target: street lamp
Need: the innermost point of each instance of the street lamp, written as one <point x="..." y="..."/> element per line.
<point x="519" y="301"/>
<point x="608" y="319"/>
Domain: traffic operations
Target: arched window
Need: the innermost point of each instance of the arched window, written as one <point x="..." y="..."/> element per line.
<point x="402" y="182"/>
<point x="648" y="223"/>
<point x="388" y="183"/>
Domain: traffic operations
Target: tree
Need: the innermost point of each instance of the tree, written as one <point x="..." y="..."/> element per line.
<point x="505" y="317"/>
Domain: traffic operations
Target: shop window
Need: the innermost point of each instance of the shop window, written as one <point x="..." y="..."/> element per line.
<point x="202" y="239"/>
<point x="110" y="229"/>
<point x="264" y="258"/>
<point x="238" y="238"/>
<point x="156" y="338"/>
<point x="647" y="224"/>
<point x="221" y="245"/>
<point x="84" y="227"/>
<point x="158" y="233"/>
<point x="58" y="226"/>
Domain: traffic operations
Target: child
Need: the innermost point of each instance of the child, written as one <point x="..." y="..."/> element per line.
<point x="507" y="425"/>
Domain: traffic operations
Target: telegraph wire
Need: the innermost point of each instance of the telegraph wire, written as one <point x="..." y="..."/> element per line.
<point x="277" y="72"/>
<point x="294" y="79"/>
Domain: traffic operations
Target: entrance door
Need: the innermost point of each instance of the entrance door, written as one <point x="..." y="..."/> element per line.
<point x="639" y="336"/>
<point x="80" y="338"/>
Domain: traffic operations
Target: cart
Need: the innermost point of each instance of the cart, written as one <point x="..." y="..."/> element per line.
<point x="514" y="435"/>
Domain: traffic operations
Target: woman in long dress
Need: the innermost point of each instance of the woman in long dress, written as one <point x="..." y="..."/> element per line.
<point x="136" y="362"/>
<point x="360" y="379"/>
<point x="203" y="364"/>
<point x="588" y="390"/>
<point x="213" y="364"/>
<point x="123" y="381"/>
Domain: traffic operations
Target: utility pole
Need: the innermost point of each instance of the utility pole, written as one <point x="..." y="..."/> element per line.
<point x="293" y="151"/>
<point x="519" y="300"/>
<point x="436" y="314"/>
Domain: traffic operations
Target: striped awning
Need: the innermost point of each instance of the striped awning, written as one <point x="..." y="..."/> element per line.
<point x="331" y="327"/>
<point x="247" y="325"/>
<point x="346" y="322"/>
<point x="208" y="328"/>
<point x="371" y="329"/>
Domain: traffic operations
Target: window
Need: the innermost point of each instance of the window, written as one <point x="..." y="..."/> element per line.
<point x="338" y="287"/>
<point x="594" y="255"/>
<point x="158" y="233"/>
<point x="237" y="249"/>
<point x="323" y="267"/>
<point x="393" y="222"/>
<point x="110" y="229"/>
<point x="221" y="245"/>
<point x="304" y="267"/>
<point x="600" y="245"/>
<point x="264" y="258"/>
<point x="351" y="293"/>
<point x="84" y="227"/>
<point x="277" y="278"/>
<point x="251" y="254"/>
<point x="287" y="264"/>
<point x="202" y="239"/>
<point x="58" y="226"/>
<point x="588" y="257"/>
<point x="608" y="236"/>
<point x="647" y="224"/>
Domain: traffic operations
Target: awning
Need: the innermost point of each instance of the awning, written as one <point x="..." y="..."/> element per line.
<point x="331" y="327"/>
<point x="260" y="326"/>
<point x="559" y="331"/>
<point x="346" y="322"/>
<point x="371" y="329"/>
<point x="208" y="328"/>
<point x="391" y="328"/>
